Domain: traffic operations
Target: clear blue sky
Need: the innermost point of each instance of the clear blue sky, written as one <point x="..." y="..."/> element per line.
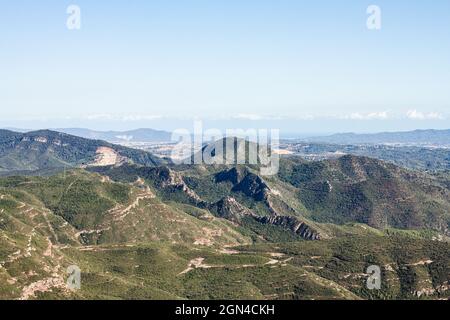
<point x="305" y="66"/>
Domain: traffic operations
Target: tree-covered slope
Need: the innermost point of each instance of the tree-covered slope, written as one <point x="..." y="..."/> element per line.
<point x="360" y="189"/>
<point x="48" y="149"/>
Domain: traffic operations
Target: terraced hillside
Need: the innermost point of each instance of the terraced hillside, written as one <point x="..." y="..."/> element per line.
<point x="102" y="211"/>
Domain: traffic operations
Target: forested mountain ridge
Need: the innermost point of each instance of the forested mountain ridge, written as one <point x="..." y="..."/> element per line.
<point x="47" y="149"/>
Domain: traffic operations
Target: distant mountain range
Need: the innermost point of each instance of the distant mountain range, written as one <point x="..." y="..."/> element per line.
<point x="422" y="137"/>
<point x="138" y="135"/>
<point x="45" y="149"/>
<point x="416" y="137"/>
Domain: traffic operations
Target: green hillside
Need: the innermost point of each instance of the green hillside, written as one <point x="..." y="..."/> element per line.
<point x="225" y="232"/>
<point x="46" y="149"/>
<point x="369" y="191"/>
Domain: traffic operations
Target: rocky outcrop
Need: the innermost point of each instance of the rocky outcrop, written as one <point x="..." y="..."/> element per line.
<point x="293" y="224"/>
<point x="230" y="209"/>
<point x="106" y="156"/>
<point x="253" y="186"/>
<point x="431" y="291"/>
<point x="246" y="182"/>
<point x="234" y="175"/>
<point x="170" y="179"/>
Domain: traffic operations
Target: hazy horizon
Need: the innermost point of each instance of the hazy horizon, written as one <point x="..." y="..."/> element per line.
<point x="283" y="133"/>
<point x="304" y="68"/>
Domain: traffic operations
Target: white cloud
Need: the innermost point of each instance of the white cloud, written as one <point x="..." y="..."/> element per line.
<point x="259" y="117"/>
<point x="303" y="117"/>
<point x="98" y="117"/>
<point x="417" y="115"/>
<point x="115" y="117"/>
<point x="256" y="117"/>
<point x="140" y="117"/>
<point x="383" y="115"/>
<point x="248" y="116"/>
